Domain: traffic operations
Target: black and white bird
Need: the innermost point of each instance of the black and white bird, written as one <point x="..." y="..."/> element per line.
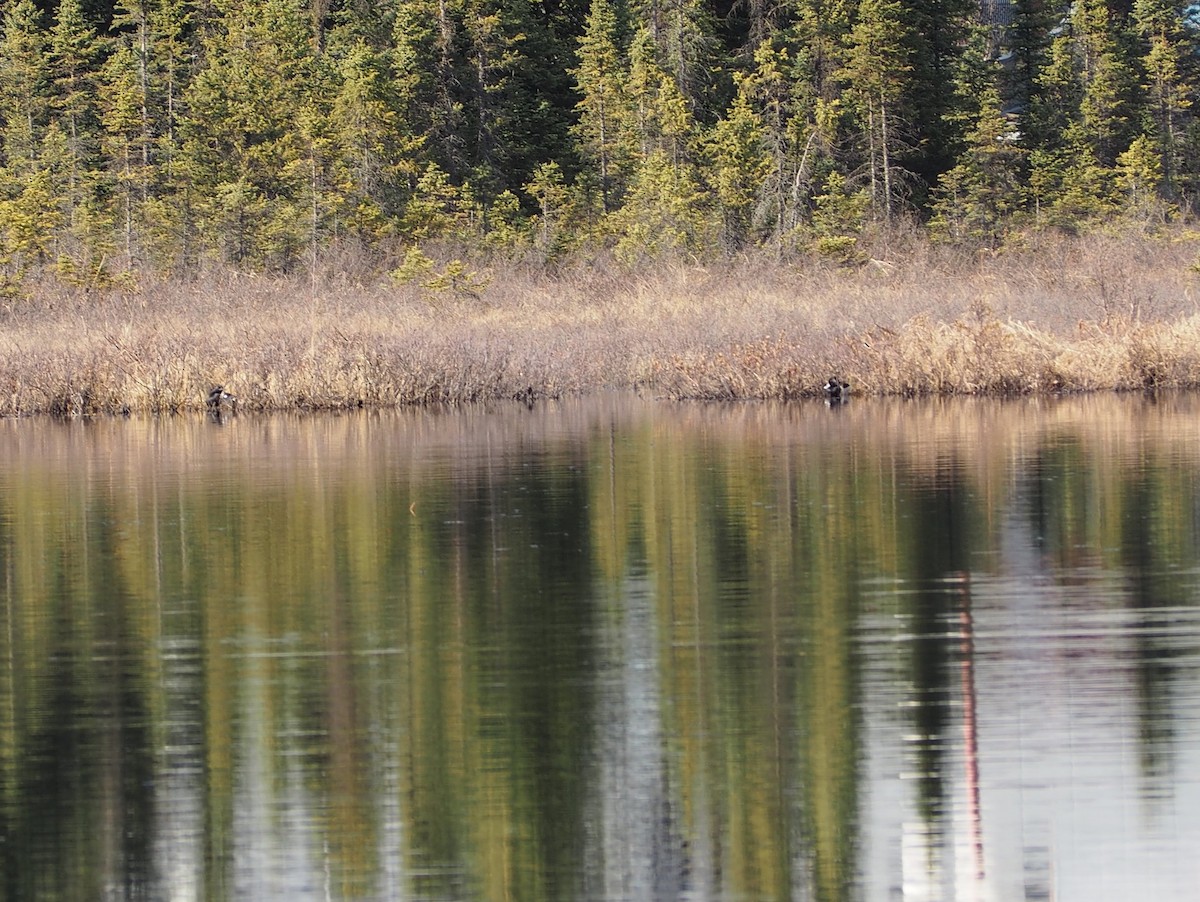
<point x="837" y="390"/>
<point x="218" y="398"/>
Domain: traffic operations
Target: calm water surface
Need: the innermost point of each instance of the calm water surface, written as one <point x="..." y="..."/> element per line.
<point x="607" y="649"/>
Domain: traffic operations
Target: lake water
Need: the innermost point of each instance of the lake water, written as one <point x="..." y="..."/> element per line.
<point x="605" y="649"/>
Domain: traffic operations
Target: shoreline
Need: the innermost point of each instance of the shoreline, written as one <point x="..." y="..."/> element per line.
<point x="1078" y="314"/>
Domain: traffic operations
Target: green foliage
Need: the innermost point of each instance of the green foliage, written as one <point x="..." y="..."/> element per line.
<point x="438" y="208"/>
<point x="740" y="163"/>
<point x="978" y="197"/>
<point x="260" y="135"/>
<point x="455" y="278"/>
<point x="838" y="219"/>
<point x="603" y="108"/>
<point x="878" y="61"/>
<point x="241" y="146"/>
<point x="1140" y="176"/>
<point x="663" y="212"/>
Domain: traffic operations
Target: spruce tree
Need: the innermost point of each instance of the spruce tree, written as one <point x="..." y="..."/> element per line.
<point x="603" y="108"/>
<point x="25" y="80"/>
<point x="661" y="119"/>
<point x="29" y="209"/>
<point x="875" y="76"/>
<point x="978" y="198"/>
<point x="682" y="34"/>
<point x="1169" y="81"/>
<point x="937" y="32"/>
<point x="820" y="37"/>
<point x="244" y="160"/>
<point x="376" y="152"/>
<point x="72" y="145"/>
<point x="125" y="142"/>
<point x="739" y="164"/>
<point x="430" y="78"/>
<point x="663" y="213"/>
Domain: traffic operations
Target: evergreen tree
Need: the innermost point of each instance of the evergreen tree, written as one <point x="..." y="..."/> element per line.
<point x="1139" y="176"/>
<point x="494" y="52"/>
<point x="125" y="142"/>
<point x="1083" y="118"/>
<point x="739" y="164"/>
<point x="243" y="159"/>
<point x="25" y="79"/>
<point x="548" y="188"/>
<point x="937" y="32"/>
<point x="1033" y="28"/>
<point x="876" y="72"/>
<point x="663" y="212"/>
<point x="163" y="35"/>
<point x="525" y="92"/>
<point x="1169" y="81"/>
<point x="660" y="117"/>
<point x="821" y="36"/>
<point x="29" y="212"/>
<point x="682" y="34"/>
<point x="794" y="131"/>
<point x="977" y="199"/>
<point x="376" y="153"/>
<point x="602" y="108"/>
<point x="430" y="78"/>
<point x="72" y="144"/>
<point x="1105" y="122"/>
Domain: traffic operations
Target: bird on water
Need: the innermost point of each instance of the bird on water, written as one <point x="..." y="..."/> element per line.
<point x="218" y="397"/>
<point x="837" y="389"/>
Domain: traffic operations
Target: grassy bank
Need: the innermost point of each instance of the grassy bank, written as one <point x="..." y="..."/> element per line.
<point x="1067" y="314"/>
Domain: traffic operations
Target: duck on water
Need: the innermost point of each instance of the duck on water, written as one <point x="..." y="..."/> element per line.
<point x="837" y="390"/>
<point x="218" y="399"/>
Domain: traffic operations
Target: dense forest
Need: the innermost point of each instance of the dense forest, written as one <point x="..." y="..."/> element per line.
<point x="166" y="135"/>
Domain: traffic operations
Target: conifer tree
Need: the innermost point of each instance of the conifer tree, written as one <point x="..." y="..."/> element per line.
<point x="1139" y="176"/>
<point x="977" y="199"/>
<point x="799" y="132"/>
<point x="125" y="141"/>
<point x="1029" y="36"/>
<point x="75" y="52"/>
<point x="430" y="79"/>
<point x="376" y="154"/>
<point x="821" y="37"/>
<point x="660" y="117"/>
<point x="1169" y="81"/>
<point x="494" y="52"/>
<point x="164" y="31"/>
<point x="1105" y="122"/>
<point x="1083" y="117"/>
<point x="663" y="212"/>
<point x="29" y="211"/>
<point x="548" y="188"/>
<point x="681" y="32"/>
<point x="601" y="78"/>
<point x="242" y="156"/>
<point x="25" y="79"/>
<point x="938" y="35"/>
<point x="739" y="164"/>
<point x="72" y="144"/>
<point x="875" y="74"/>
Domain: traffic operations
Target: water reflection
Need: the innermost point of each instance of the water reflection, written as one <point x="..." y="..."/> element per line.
<point x="605" y="649"/>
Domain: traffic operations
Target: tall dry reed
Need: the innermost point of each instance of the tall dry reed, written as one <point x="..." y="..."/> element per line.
<point x="1065" y="314"/>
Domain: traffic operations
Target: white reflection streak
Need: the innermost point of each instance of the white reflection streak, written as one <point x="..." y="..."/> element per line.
<point x="179" y="787"/>
<point x="634" y="833"/>
<point x="391" y="833"/>
<point x="274" y="817"/>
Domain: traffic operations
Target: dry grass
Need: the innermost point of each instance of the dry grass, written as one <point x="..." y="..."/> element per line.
<point x="1068" y="314"/>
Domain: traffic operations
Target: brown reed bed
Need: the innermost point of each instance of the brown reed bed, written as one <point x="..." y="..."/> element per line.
<point x="1064" y="314"/>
